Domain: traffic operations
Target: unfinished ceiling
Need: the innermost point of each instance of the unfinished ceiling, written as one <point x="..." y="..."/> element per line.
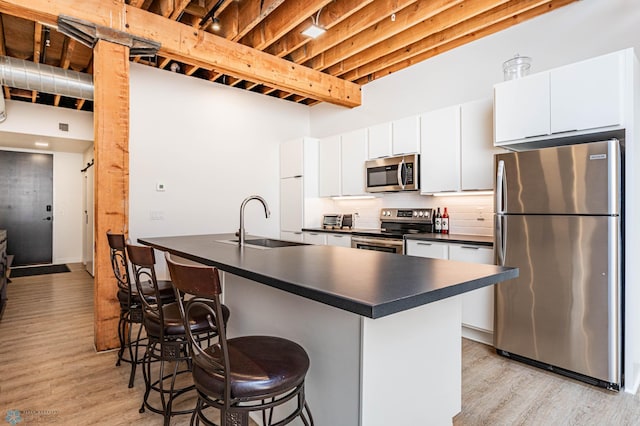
<point x="364" y="39"/>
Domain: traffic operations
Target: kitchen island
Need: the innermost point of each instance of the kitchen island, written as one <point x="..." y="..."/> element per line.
<point x="382" y="330"/>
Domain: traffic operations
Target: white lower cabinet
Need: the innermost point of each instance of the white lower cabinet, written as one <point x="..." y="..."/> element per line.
<point x="427" y="249"/>
<point x="316" y="238"/>
<point x="340" y="240"/>
<point x="291" y="236"/>
<point x="477" y="305"/>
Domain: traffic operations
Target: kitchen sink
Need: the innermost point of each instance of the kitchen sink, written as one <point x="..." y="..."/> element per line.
<point x="264" y="243"/>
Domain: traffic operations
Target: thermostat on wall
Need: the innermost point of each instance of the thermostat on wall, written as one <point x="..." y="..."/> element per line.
<point x="159" y="186"/>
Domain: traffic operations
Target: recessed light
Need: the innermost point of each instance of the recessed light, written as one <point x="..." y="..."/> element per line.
<point x="42" y="144"/>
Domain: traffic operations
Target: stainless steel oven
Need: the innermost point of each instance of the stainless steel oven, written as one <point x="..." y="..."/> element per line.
<point x="389" y="245"/>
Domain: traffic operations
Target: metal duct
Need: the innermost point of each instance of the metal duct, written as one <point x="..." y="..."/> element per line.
<point x="45" y="78"/>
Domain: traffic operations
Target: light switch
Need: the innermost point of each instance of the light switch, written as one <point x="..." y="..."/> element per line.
<point x="157" y="215"/>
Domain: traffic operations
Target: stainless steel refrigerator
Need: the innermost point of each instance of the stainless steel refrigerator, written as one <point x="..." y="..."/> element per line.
<point x="559" y="219"/>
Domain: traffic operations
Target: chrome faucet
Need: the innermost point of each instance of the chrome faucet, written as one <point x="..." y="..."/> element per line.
<point x="267" y="213"/>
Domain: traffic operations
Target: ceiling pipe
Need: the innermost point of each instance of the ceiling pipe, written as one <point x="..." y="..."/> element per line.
<point x="45" y="78"/>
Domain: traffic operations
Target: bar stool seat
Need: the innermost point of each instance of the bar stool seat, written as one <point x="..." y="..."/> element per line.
<point x="257" y="364"/>
<point x="173" y="324"/>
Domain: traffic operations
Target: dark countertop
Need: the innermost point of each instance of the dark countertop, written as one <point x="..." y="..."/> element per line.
<point x="368" y="283"/>
<point x="479" y="240"/>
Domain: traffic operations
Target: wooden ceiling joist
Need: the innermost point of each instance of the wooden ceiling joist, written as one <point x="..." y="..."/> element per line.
<point x="183" y="43"/>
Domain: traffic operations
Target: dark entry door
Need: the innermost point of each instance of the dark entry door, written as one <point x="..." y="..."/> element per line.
<point x="26" y="203"/>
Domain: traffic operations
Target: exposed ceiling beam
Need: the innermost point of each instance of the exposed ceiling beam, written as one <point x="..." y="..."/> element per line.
<point x="200" y="48"/>
<point x="3" y="52"/>
<point x="37" y="47"/>
<point x="65" y="61"/>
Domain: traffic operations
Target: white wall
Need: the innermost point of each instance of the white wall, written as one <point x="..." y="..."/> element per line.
<point x="575" y="32"/>
<point x="211" y="146"/>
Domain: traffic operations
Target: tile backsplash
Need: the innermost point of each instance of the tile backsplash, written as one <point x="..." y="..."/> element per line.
<point x="471" y="215"/>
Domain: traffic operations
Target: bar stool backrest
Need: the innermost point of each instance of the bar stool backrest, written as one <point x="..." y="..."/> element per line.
<point x="202" y="283"/>
<point x="143" y="261"/>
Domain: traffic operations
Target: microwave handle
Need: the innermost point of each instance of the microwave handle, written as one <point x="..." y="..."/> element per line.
<point x="401" y="166"/>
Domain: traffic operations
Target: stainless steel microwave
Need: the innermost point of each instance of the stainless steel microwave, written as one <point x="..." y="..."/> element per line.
<point x="393" y="174"/>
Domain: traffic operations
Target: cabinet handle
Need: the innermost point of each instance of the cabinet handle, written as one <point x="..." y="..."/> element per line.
<point x="297" y="233"/>
<point x="536" y="136"/>
<point x="564" y="131"/>
<point x="312" y="233"/>
<point x="338" y="236"/>
<point x="470" y="247"/>
<point x="424" y="244"/>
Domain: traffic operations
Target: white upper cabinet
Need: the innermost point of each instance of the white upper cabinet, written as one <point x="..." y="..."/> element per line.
<point x="440" y="158"/>
<point x="405" y="135"/>
<point x="477" y="150"/>
<point x="581" y="98"/>
<point x="329" y="176"/>
<point x="587" y="94"/>
<point x="521" y="108"/>
<point x="291" y="158"/>
<point x="291" y="204"/>
<point x="353" y="150"/>
<point x="380" y="137"/>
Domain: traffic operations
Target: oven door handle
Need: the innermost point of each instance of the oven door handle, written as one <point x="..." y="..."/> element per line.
<point x="381" y="241"/>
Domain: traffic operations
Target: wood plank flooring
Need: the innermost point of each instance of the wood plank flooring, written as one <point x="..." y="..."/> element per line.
<point x="50" y="372"/>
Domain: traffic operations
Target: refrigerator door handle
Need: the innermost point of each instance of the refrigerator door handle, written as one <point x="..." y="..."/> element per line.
<point x="501" y="239"/>
<point x="501" y="188"/>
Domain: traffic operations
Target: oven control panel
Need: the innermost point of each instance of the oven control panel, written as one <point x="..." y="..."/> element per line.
<point x="423" y="215"/>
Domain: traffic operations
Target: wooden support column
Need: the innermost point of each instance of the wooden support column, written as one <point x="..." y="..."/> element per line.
<point x="111" y="154"/>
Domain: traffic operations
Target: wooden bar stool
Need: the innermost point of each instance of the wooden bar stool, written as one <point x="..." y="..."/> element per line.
<point x="131" y="305"/>
<point x="242" y="374"/>
<point x="167" y="346"/>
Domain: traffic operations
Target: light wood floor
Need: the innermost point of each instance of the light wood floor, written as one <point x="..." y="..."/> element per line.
<point x="50" y="371"/>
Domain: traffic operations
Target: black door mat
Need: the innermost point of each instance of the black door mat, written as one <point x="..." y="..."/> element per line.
<point x="28" y="271"/>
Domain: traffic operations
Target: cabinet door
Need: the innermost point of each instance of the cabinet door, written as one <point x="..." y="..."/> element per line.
<point x="291" y="158"/>
<point x="316" y="238"/>
<point x="340" y="240"/>
<point x="291" y="204"/>
<point x="521" y="108"/>
<point x="329" y="167"/>
<point x="427" y="249"/>
<point x="380" y="140"/>
<point x="291" y="236"/>
<point x="476" y="145"/>
<point x="406" y="135"/>
<point x="354" y="155"/>
<point x="440" y="158"/>
<point x="477" y="305"/>
<point x="587" y="94"/>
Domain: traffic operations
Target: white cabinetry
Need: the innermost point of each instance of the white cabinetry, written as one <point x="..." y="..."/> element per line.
<point x="395" y="138"/>
<point x="440" y="159"/>
<point x="477" y="305"/>
<point x="457" y="148"/>
<point x="427" y="249"/>
<point x="341" y="164"/>
<point x="587" y="94"/>
<point x="380" y="140"/>
<point x="342" y="240"/>
<point x="576" y="99"/>
<point x="521" y="108"/>
<point x="329" y="167"/>
<point x="298" y="186"/>
<point x="316" y="238"/>
<point x="405" y="135"/>
<point x="353" y="150"/>
<point x="476" y="145"/>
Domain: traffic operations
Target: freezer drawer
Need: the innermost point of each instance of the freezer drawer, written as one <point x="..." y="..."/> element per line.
<point x="574" y="179"/>
<point x="563" y="309"/>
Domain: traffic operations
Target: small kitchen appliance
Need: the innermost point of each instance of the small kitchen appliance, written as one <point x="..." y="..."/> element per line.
<point x="332" y="221"/>
<point x="393" y="174"/>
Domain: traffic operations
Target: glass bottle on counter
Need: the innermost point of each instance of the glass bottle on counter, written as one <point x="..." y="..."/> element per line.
<point x="445" y="222"/>
<point x="437" y="222"/>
